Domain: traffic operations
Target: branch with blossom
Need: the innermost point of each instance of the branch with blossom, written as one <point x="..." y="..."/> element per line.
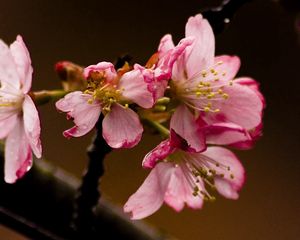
<point x="188" y="95"/>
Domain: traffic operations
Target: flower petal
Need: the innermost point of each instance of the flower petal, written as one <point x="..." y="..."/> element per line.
<point x="184" y="124"/>
<point x="165" y="64"/>
<point x="121" y="127"/>
<point x="7" y="124"/>
<point x="18" y="155"/>
<point x="234" y="178"/>
<point x="23" y="63"/>
<point x="243" y="107"/>
<point x="136" y="89"/>
<point x="107" y="67"/>
<point x="201" y="54"/>
<point x="227" y="66"/>
<point x="9" y="77"/>
<point x="226" y="134"/>
<point x="255" y="134"/>
<point x="166" y="44"/>
<point x="159" y="153"/>
<point x="85" y="114"/>
<point x="254" y="85"/>
<point x="150" y="196"/>
<point x="179" y="192"/>
<point x="32" y="126"/>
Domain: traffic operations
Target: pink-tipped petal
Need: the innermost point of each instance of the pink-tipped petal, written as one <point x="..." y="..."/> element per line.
<point x="9" y="77"/>
<point x="85" y="114"/>
<point x="155" y="87"/>
<point x="226" y="134"/>
<point x="106" y="67"/>
<point x="7" y="123"/>
<point x="254" y="85"/>
<point x="150" y="196"/>
<point x="166" y="44"/>
<point x="234" y="174"/>
<point x="184" y="124"/>
<point x="18" y="155"/>
<point x="121" y="127"/>
<point x="134" y="88"/>
<point x="159" y="153"/>
<point x="23" y="63"/>
<point x="255" y="134"/>
<point x="179" y="192"/>
<point x="176" y="52"/>
<point x="32" y="126"/>
<point x="228" y="66"/>
<point x="68" y="103"/>
<point x="243" y="107"/>
<point x="201" y="54"/>
<point x="172" y="61"/>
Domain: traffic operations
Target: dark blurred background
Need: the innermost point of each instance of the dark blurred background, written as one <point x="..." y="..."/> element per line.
<point x="264" y="33"/>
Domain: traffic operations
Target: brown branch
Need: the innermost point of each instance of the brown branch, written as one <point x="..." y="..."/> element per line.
<point x="40" y="207"/>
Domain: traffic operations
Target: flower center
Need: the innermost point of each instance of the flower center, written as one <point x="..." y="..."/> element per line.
<point x="10" y="101"/>
<point x="204" y="91"/>
<point x="200" y="171"/>
<point x="104" y="91"/>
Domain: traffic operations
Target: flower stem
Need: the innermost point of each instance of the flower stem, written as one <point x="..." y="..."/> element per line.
<point x="159" y="127"/>
<point x="45" y="96"/>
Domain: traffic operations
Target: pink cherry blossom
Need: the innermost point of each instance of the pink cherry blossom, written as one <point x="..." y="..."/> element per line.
<point x="19" y="120"/>
<point x="110" y="94"/>
<point x="181" y="177"/>
<point x="205" y="86"/>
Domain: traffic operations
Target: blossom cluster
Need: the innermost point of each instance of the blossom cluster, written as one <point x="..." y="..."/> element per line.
<point x="188" y="94"/>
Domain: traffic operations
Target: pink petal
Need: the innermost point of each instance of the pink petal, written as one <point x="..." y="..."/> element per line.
<point x="227" y="65"/>
<point x="255" y="134"/>
<point x="166" y="44"/>
<point x="9" y="77"/>
<point x="68" y="103"/>
<point x="107" y="67"/>
<point x="184" y="124"/>
<point x="179" y="72"/>
<point x="32" y="126"/>
<point x="226" y="134"/>
<point x="229" y="185"/>
<point x="23" y="62"/>
<point x="156" y="88"/>
<point x="251" y="83"/>
<point x="201" y="54"/>
<point x="159" y="153"/>
<point x="136" y="89"/>
<point x="85" y="114"/>
<point x="254" y="85"/>
<point x="7" y="124"/>
<point x="165" y="64"/>
<point x="121" y="127"/>
<point x="243" y="107"/>
<point x="18" y="156"/>
<point x="158" y="76"/>
<point x="150" y="196"/>
<point x="180" y="192"/>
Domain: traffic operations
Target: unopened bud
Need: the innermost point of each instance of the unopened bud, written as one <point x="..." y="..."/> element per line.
<point x="71" y="75"/>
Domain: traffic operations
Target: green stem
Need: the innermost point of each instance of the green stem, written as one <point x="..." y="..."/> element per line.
<point x="159" y="127"/>
<point x="46" y="96"/>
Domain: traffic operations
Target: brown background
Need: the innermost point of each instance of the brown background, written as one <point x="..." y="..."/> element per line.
<point x="263" y="34"/>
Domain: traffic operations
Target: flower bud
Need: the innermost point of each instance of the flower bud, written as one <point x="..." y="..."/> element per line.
<point x="71" y="75"/>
